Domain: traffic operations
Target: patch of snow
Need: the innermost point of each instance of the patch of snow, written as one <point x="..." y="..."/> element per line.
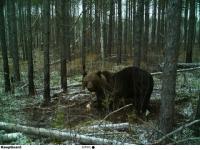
<point x="143" y="139"/>
<point x="188" y="110"/>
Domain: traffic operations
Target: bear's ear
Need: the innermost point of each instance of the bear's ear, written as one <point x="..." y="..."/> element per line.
<point x="99" y="73"/>
<point x="101" y="76"/>
<point x="84" y="74"/>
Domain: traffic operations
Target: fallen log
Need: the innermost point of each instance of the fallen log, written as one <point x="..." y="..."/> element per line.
<point x="59" y="88"/>
<point x="181" y="70"/>
<point x="183" y="65"/>
<point x="10" y="137"/>
<point x="117" y="126"/>
<point x="188" y="65"/>
<point x="55" y="134"/>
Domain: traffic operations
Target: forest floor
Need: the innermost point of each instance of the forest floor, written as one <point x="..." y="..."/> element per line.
<point x="69" y="111"/>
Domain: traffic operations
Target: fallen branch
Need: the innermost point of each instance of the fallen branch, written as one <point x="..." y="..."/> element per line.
<point x="59" y="88"/>
<point x="181" y="70"/>
<point x="186" y="65"/>
<point x="10" y="137"/>
<point x="118" y="126"/>
<point x="186" y="140"/>
<point x="114" y="112"/>
<point x="175" y="131"/>
<point x="55" y="134"/>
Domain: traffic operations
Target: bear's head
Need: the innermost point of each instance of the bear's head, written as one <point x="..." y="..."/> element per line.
<point x="99" y="82"/>
<point x="94" y="81"/>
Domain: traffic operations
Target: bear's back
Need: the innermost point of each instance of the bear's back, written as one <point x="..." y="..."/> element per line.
<point x="132" y="80"/>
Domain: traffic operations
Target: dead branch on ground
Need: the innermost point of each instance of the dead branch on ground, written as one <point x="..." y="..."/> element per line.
<point x="55" y="134"/>
<point x="175" y="131"/>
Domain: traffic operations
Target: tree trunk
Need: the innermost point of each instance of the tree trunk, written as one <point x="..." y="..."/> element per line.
<point x="58" y="24"/>
<point x="153" y="31"/>
<point x="119" y="48"/>
<point x="130" y="33"/>
<point x="4" y="48"/>
<point x="8" y="29"/>
<point x="138" y="33"/>
<point x="97" y="25"/>
<point x="105" y="34"/>
<point x="31" y="86"/>
<point x="133" y="26"/>
<point x="111" y="20"/>
<point x="125" y="30"/>
<point x="102" y="42"/>
<point x="13" y="39"/>
<point x="69" y="26"/>
<point x="63" y="54"/>
<point x="24" y="24"/>
<point x="83" y="38"/>
<point x="158" y="27"/>
<point x="197" y="116"/>
<point x="146" y="33"/>
<point x="20" y="25"/>
<point x="199" y="26"/>
<point x="191" y="32"/>
<point x="162" y="25"/>
<point x="46" y="39"/>
<point x="185" y="24"/>
<point x="170" y="65"/>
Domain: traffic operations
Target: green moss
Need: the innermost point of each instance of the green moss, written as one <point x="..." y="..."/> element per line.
<point x="59" y="120"/>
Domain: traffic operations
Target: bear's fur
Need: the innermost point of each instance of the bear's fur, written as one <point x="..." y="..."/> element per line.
<point x="132" y="83"/>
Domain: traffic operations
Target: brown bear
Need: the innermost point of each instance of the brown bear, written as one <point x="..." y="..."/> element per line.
<point x="132" y="83"/>
<point x="98" y="82"/>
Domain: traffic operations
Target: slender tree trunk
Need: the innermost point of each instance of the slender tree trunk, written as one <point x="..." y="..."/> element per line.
<point x="138" y="34"/>
<point x="102" y="39"/>
<point x="158" y="26"/>
<point x="24" y="24"/>
<point x="52" y="23"/>
<point x="4" y="48"/>
<point x="97" y="25"/>
<point x="105" y="35"/>
<point x="125" y="30"/>
<point x="64" y="46"/>
<point x="199" y="26"/>
<point x="191" y="32"/>
<point x="20" y="7"/>
<point x="13" y="39"/>
<point x="30" y="51"/>
<point x="134" y="27"/>
<point x="46" y="40"/>
<point x="197" y="116"/>
<point x="83" y="57"/>
<point x="130" y="24"/>
<point x="37" y="24"/>
<point x="130" y="34"/>
<point x="170" y="65"/>
<point x="58" y="24"/>
<point x="91" y="26"/>
<point x="154" y="20"/>
<point x="119" y="48"/>
<point x="69" y="28"/>
<point x="162" y="25"/>
<point x="146" y="32"/>
<point x="8" y="15"/>
<point x="110" y="34"/>
<point x="185" y="24"/>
